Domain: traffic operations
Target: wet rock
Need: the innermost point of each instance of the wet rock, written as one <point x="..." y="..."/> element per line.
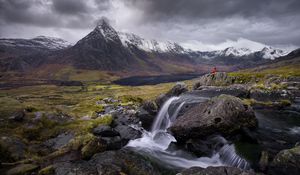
<point x="59" y="141"/>
<point x="219" y="79"/>
<point x="286" y="162"/>
<point x="105" y="131"/>
<point x="124" y="119"/>
<point x="11" y="149"/>
<point x="177" y="90"/>
<point x="264" y="161"/>
<point x="215" y="171"/>
<point x="22" y="169"/>
<point x="127" y="133"/>
<point x="17" y="116"/>
<point x="146" y="118"/>
<point x="146" y="114"/>
<point x="224" y="114"/>
<point x="113" y="143"/>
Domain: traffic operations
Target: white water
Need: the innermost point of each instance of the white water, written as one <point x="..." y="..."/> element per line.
<point x="155" y="144"/>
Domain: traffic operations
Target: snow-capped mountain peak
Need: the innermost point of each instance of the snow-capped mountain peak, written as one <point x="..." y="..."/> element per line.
<point x="238" y="52"/>
<point x="106" y="30"/>
<point x="129" y="39"/>
<point x="272" y="53"/>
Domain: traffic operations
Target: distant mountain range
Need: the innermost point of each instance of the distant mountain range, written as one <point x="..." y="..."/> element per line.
<point x="105" y="49"/>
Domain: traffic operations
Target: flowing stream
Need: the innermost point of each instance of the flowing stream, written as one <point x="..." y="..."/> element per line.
<point x="158" y="145"/>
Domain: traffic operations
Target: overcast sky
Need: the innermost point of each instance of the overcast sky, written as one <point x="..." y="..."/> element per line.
<point x="199" y="24"/>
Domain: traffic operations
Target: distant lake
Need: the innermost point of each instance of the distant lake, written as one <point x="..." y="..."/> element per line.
<point x="152" y="80"/>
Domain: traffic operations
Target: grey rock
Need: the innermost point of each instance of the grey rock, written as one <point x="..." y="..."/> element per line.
<point x="286" y="162"/>
<point x="219" y="79"/>
<point x="105" y="131"/>
<point x="59" y="141"/>
<point x="17" y="116"/>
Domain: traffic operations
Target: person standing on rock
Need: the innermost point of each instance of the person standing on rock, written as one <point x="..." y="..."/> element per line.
<point x="213" y="72"/>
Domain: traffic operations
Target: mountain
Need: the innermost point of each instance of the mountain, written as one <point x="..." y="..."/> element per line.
<point x="125" y="54"/>
<point x="23" y="54"/>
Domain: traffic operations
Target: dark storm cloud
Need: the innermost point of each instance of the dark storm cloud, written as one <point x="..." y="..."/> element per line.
<point x="274" y="22"/>
<point x="70" y="6"/>
<point x="205" y="9"/>
<point x="51" y="13"/>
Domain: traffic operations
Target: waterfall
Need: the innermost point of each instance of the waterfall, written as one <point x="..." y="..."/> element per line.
<point x="155" y="145"/>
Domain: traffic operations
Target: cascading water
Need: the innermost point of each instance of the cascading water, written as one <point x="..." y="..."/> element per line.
<point x="155" y="145"/>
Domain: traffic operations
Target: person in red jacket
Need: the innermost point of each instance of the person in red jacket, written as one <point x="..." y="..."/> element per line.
<point x="213" y="71"/>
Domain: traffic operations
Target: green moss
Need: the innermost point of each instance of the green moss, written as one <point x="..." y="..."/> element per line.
<point x="92" y="147"/>
<point x="49" y="170"/>
<point x="22" y="169"/>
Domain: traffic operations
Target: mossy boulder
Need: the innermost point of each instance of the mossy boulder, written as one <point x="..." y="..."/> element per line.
<point x="23" y="169"/>
<point x="221" y="115"/>
<point x="96" y="145"/>
<point x="286" y="162"/>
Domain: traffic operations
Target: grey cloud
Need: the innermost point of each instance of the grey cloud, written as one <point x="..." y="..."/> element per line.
<point x="70" y="6"/>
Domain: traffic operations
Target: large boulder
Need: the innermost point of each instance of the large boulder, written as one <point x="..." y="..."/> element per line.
<point x="219" y="79"/>
<point x="109" y="162"/>
<point x="286" y="162"/>
<point x="220" y="115"/>
<point x="215" y="171"/>
<point x="177" y="90"/>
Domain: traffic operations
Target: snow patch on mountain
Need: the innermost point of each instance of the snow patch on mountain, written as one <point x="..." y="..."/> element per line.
<point x="272" y="53"/>
<point x="41" y="42"/>
<point x="129" y="39"/>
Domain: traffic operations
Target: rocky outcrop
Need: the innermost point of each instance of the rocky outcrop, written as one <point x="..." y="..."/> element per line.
<point x="270" y="95"/>
<point x="224" y="114"/>
<point x="215" y="171"/>
<point x="218" y="79"/>
<point x="286" y="162"/>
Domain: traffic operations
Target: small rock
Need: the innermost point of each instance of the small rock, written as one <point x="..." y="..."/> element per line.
<point x="105" y="131"/>
<point x="17" y="116"/>
<point x="59" y="141"/>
